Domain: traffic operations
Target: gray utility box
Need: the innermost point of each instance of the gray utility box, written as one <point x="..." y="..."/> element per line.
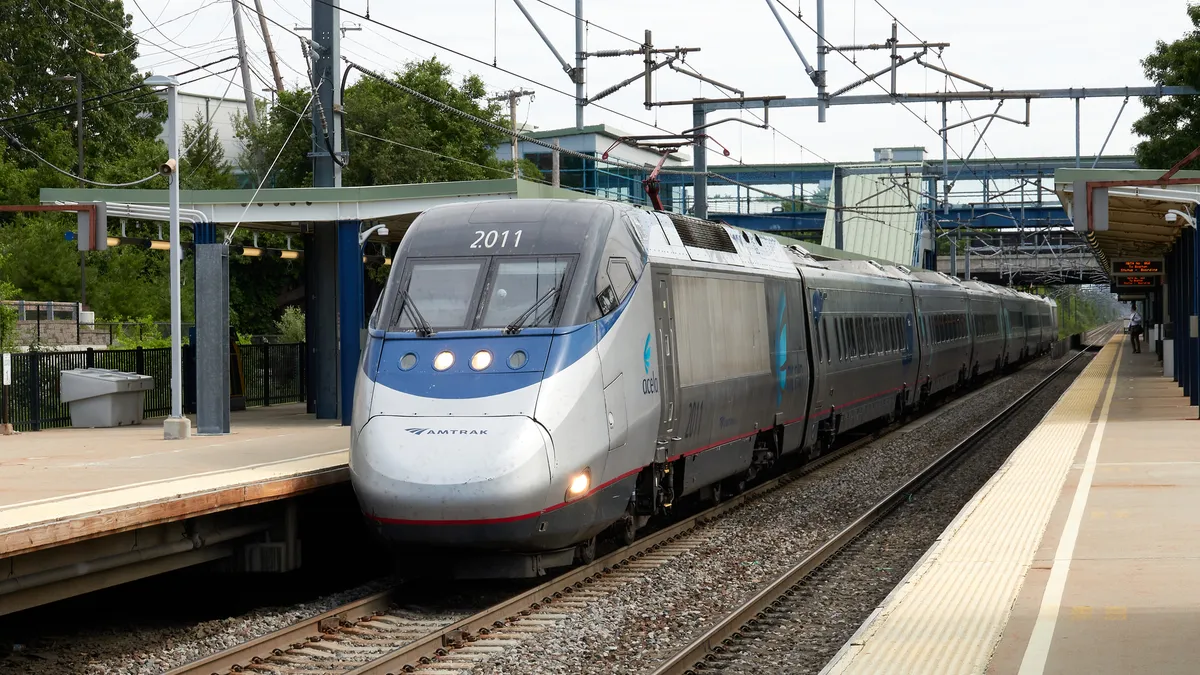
<point x="104" y="398"/>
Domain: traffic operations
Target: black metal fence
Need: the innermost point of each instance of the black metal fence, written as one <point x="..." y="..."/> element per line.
<point x="273" y="373"/>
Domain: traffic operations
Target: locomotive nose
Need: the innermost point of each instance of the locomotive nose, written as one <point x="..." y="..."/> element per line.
<point x="422" y="471"/>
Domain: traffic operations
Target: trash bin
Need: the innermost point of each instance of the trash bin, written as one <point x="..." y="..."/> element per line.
<point x="104" y="398"/>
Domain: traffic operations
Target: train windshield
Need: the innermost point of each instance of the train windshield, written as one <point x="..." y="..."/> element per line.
<point x="518" y="286"/>
<point x="495" y="292"/>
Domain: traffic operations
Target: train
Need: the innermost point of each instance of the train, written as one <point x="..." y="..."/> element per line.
<point x="541" y="373"/>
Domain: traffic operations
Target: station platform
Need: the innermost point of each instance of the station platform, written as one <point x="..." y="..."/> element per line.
<point x="63" y="486"/>
<point x="1080" y="555"/>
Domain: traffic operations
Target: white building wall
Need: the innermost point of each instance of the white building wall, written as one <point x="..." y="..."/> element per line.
<point x="880" y="217"/>
<point x="222" y="111"/>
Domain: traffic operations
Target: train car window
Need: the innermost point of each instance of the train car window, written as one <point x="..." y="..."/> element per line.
<point x="620" y="276"/>
<point x="839" y="334"/>
<point x="518" y="285"/>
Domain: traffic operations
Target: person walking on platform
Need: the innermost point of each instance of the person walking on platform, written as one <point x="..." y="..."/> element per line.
<point x="1135" y="330"/>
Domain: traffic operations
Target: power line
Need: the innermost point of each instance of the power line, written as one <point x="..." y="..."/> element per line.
<point x="590" y="23"/>
<point x="64" y="172"/>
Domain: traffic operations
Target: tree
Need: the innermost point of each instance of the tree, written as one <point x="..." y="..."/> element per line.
<point x="1171" y="125"/>
<point x="420" y="143"/>
<point x="203" y="165"/>
<point x="43" y="41"/>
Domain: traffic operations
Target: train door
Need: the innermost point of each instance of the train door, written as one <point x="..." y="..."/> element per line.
<point x="664" y="327"/>
<point x="824" y="344"/>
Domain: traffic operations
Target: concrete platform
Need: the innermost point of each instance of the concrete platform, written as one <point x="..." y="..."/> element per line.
<point x="1081" y="555"/>
<point x="66" y="485"/>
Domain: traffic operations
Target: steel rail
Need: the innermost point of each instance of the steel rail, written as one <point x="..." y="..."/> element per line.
<point x="467" y="630"/>
<point x="717" y="638"/>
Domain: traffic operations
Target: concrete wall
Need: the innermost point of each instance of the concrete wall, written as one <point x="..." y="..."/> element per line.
<point x="58" y="333"/>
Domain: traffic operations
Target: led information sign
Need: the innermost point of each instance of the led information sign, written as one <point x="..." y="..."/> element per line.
<point x="1136" y="282"/>
<point x="1140" y="267"/>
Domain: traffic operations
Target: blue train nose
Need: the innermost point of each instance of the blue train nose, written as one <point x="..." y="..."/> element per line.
<point x="422" y="471"/>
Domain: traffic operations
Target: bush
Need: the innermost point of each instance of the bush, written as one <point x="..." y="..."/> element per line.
<point x="142" y="332"/>
<point x="291" y="325"/>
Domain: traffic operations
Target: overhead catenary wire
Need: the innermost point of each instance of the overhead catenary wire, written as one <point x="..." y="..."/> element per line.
<point x="570" y="153"/>
<point x="266" y="176"/>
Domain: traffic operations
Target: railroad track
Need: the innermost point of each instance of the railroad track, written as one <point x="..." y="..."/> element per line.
<point x="372" y="636"/>
<point x="703" y="654"/>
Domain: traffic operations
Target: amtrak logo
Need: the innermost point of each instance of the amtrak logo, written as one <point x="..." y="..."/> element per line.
<point x="649" y="383"/>
<point x="417" y="431"/>
<point x="646" y="353"/>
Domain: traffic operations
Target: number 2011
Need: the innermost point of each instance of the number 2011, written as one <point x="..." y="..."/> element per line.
<point x="492" y="238"/>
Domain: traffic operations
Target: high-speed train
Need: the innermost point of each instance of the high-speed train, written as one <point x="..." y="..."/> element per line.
<point x="540" y="371"/>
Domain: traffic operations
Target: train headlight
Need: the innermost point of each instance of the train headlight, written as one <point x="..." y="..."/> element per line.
<point x="482" y="359"/>
<point x="579" y="485"/>
<point x="443" y="361"/>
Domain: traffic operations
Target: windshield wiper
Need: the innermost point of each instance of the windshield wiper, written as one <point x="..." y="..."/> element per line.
<point x="420" y="326"/>
<point x="515" y="327"/>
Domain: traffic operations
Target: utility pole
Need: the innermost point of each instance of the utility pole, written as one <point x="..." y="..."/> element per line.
<point x="247" y="88"/>
<point x="513" y="96"/>
<point x="262" y="22"/>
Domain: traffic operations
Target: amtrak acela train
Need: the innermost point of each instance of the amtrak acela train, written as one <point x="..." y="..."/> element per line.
<point x="540" y="371"/>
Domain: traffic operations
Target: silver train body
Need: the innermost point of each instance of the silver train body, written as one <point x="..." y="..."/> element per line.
<point x="537" y="372"/>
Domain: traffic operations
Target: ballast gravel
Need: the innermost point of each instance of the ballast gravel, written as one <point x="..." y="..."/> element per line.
<point x="646" y="621"/>
<point x="810" y="628"/>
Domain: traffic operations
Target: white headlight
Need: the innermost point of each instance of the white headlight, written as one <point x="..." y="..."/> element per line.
<point x="579" y="485"/>
<point x="482" y="359"/>
<point x="443" y="361"/>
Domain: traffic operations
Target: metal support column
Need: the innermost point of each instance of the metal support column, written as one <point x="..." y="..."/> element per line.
<point x="945" y="160"/>
<point x="580" y="101"/>
<point x="212" y="338"/>
<point x="350" y="311"/>
<point x="321" y="243"/>
<point x="1078" y="101"/>
<point x="1193" y="282"/>
<point x="700" y="163"/>
<point x="821" y="47"/>
<point x="838" y="215"/>
<point x="321" y="334"/>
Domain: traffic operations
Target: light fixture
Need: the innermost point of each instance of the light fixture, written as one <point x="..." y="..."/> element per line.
<point x="443" y="361"/>
<point x="113" y="241"/>
<point x="251" y="251"/>
<point x="387" y="261"/>
<point x="517" y="359"/>
<point x="481" y="360"/>
<point x="160" y="245"/>
<point x="579" y="485"/>
<point x="289" y="255"/>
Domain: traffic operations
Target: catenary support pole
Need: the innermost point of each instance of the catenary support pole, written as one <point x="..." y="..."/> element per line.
<point x="247" y="85"/>
<point x="839" y="175"/>
<point x="945" y="161"/>
<point x="700" y="181"/>
<point x="580" y="101"/>
<point x="821" y="48"/>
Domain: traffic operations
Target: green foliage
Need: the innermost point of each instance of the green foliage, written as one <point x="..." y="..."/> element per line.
<point x="1171" y="125"/>
<point x="40" y="42"/>
<point x="263" y="142"/>
<point x="140" y="332"/>
<point x="1081" y="309"/>
<point x="203" y="165"/>
<point x="291" y="325"/>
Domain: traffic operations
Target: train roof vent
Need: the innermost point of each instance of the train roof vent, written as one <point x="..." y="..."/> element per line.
<point x="700" y="234"/>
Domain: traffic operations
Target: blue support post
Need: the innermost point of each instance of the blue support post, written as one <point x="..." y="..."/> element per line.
<point x="350" y="311"/>
<point x="1194" y="342"/>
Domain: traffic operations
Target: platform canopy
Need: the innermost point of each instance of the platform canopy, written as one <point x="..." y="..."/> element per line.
<point x="1129" y="210"/>
<point x="291" y="209"/>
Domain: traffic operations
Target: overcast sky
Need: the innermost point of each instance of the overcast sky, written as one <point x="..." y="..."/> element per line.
<point x="1010" y="44"/>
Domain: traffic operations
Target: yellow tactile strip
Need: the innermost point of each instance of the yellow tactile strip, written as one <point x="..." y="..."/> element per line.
<point x="948" y="614"/>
